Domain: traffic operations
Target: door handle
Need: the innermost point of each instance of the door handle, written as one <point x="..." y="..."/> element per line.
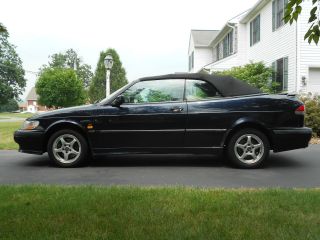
<point x="177" y="109"/>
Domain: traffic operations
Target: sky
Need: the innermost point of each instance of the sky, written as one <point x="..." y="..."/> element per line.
<point x="151" y="36"/>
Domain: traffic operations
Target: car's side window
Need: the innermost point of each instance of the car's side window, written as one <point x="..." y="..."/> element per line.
<point x="166" y="90"/>
<point x="200" y="90"/>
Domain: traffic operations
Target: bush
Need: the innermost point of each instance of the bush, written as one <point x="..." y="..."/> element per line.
<point x="59" y="87"/>
<point x="10" y="106"/>
<point x="255" y="74"/>
<point x="312" y="118"/>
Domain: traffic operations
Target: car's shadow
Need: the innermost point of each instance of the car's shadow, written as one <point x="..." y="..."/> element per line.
<point x="141" y="160"/>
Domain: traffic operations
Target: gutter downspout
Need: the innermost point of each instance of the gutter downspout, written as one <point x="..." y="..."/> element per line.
<point x="234" y="36"/>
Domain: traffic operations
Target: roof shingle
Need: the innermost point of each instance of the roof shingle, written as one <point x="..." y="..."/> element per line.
<point x="32" y="95"/>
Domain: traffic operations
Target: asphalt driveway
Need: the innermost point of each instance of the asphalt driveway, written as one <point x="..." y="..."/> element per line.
<point x="299" y="168"/>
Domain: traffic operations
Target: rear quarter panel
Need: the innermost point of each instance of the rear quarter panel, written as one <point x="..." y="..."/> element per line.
<point x="225" y="114"/>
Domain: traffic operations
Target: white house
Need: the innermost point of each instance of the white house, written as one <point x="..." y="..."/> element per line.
<point x="260" y="34"/>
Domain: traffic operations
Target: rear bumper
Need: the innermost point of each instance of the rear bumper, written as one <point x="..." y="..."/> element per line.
<point x="284" y="139"/>
<point x="30" y="141"/>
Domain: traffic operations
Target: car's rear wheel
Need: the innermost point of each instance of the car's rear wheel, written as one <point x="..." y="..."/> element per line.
<point x="67" y="148"/>
<point x="248" y="148"/>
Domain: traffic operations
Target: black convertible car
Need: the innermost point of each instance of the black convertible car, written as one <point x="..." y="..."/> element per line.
<point x="177" y="113"/>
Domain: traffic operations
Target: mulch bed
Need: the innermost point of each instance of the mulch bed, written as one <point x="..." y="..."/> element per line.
<point x="315" y="141"/>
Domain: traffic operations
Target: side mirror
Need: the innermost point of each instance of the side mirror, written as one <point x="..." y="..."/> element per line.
<point x="118" y="101"/>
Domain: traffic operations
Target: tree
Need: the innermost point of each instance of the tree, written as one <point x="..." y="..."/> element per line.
<point x="12" y="81"/>
<point x="294" y="9"/>
<point x="58" y="87"/>
<point x="97" y="90"/>
<point x="10" y="106"/>
<point x="255" y="74"/>
<point x="70" y="59"/>
<point x="3" y="28"/>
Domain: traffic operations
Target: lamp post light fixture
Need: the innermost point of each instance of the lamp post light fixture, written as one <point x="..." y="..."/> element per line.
<point x="108" y="62"/>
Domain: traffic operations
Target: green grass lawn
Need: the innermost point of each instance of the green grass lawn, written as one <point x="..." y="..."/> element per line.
<point x="7" y="129"/>
<point x="15" y="115"/>
<point x="6" y="135"/>
<point x="87" y="212"/>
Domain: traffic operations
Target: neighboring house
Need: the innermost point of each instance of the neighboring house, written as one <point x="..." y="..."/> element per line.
<point x="32" y="102"/>
<point x="23" y="107"/>
<point x="260" y="34"/>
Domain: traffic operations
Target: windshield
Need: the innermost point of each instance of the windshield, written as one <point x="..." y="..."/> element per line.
<point x="105" y="100"/>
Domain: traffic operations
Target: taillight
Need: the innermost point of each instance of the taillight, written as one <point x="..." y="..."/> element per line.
<point x="300" y="110"/>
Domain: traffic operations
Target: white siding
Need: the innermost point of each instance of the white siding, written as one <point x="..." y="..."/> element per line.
<point x="202" y="57"/>
<point x="308" y="55"/>
<point x="225" y="63"/>
<point x="274" y="45"/>
<point x="190" y="50"/>
<point x="314" y="80"/>
<point x="243" y="45"/>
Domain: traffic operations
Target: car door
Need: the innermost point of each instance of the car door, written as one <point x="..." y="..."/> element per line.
<point x="153" y="116"/>
<point x="206" y="122"/>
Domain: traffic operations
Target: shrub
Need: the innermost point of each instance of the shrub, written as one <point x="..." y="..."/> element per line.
<point x="59" y="87"/>
<point x="10" y="106"/>
<point x="255" y="74"/>
<point x="312" y="118"/>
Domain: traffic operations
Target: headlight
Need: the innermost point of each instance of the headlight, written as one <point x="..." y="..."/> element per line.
<point x="29" y="125"/>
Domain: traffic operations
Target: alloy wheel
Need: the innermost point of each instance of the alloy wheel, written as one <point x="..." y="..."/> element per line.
<point x="66" y="148"/>
<point x="249" y="148"/>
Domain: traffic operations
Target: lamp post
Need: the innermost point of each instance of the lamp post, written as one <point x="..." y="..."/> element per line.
<point x="108" y="62"/>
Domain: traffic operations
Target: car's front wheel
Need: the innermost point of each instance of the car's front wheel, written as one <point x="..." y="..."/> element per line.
<point x="248" y="148"/>
<point x="67" y="148"/>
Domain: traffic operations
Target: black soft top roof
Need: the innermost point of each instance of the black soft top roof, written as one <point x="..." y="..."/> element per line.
<point x="226" y="85"/>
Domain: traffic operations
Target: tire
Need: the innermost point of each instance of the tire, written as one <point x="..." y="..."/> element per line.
<point x="248" y="148"/>
<point x="72" y="148"/>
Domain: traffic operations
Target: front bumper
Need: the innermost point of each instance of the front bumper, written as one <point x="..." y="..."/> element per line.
<point x="30" y="141"/>
<point x="284" y="139"/>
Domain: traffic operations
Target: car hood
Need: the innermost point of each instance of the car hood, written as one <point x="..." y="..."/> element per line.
<point x="65" y="112"/>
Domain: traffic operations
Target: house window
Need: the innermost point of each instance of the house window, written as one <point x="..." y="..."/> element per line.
<point x="280" y="73"/>
<point x="255" y="30"/>
<point x="278" y="9"/>
<point x="227" y="44"/>
<point x="191" y="61"/>
<point x="225" y="47"/>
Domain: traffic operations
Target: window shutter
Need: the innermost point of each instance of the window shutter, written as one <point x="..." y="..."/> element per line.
<point x="217" y="52"/>
<point x="192" y="60"/>
<point x="285" y="74"/>
<point x="258" y="29"/>
<point x="273" y="15"/>
<point x="284" y="9"/>
<point x="235" y="40"/>
<point x="251" y="31"/>
<point x="231" y="43"/>
<point x="274" y="71"/>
